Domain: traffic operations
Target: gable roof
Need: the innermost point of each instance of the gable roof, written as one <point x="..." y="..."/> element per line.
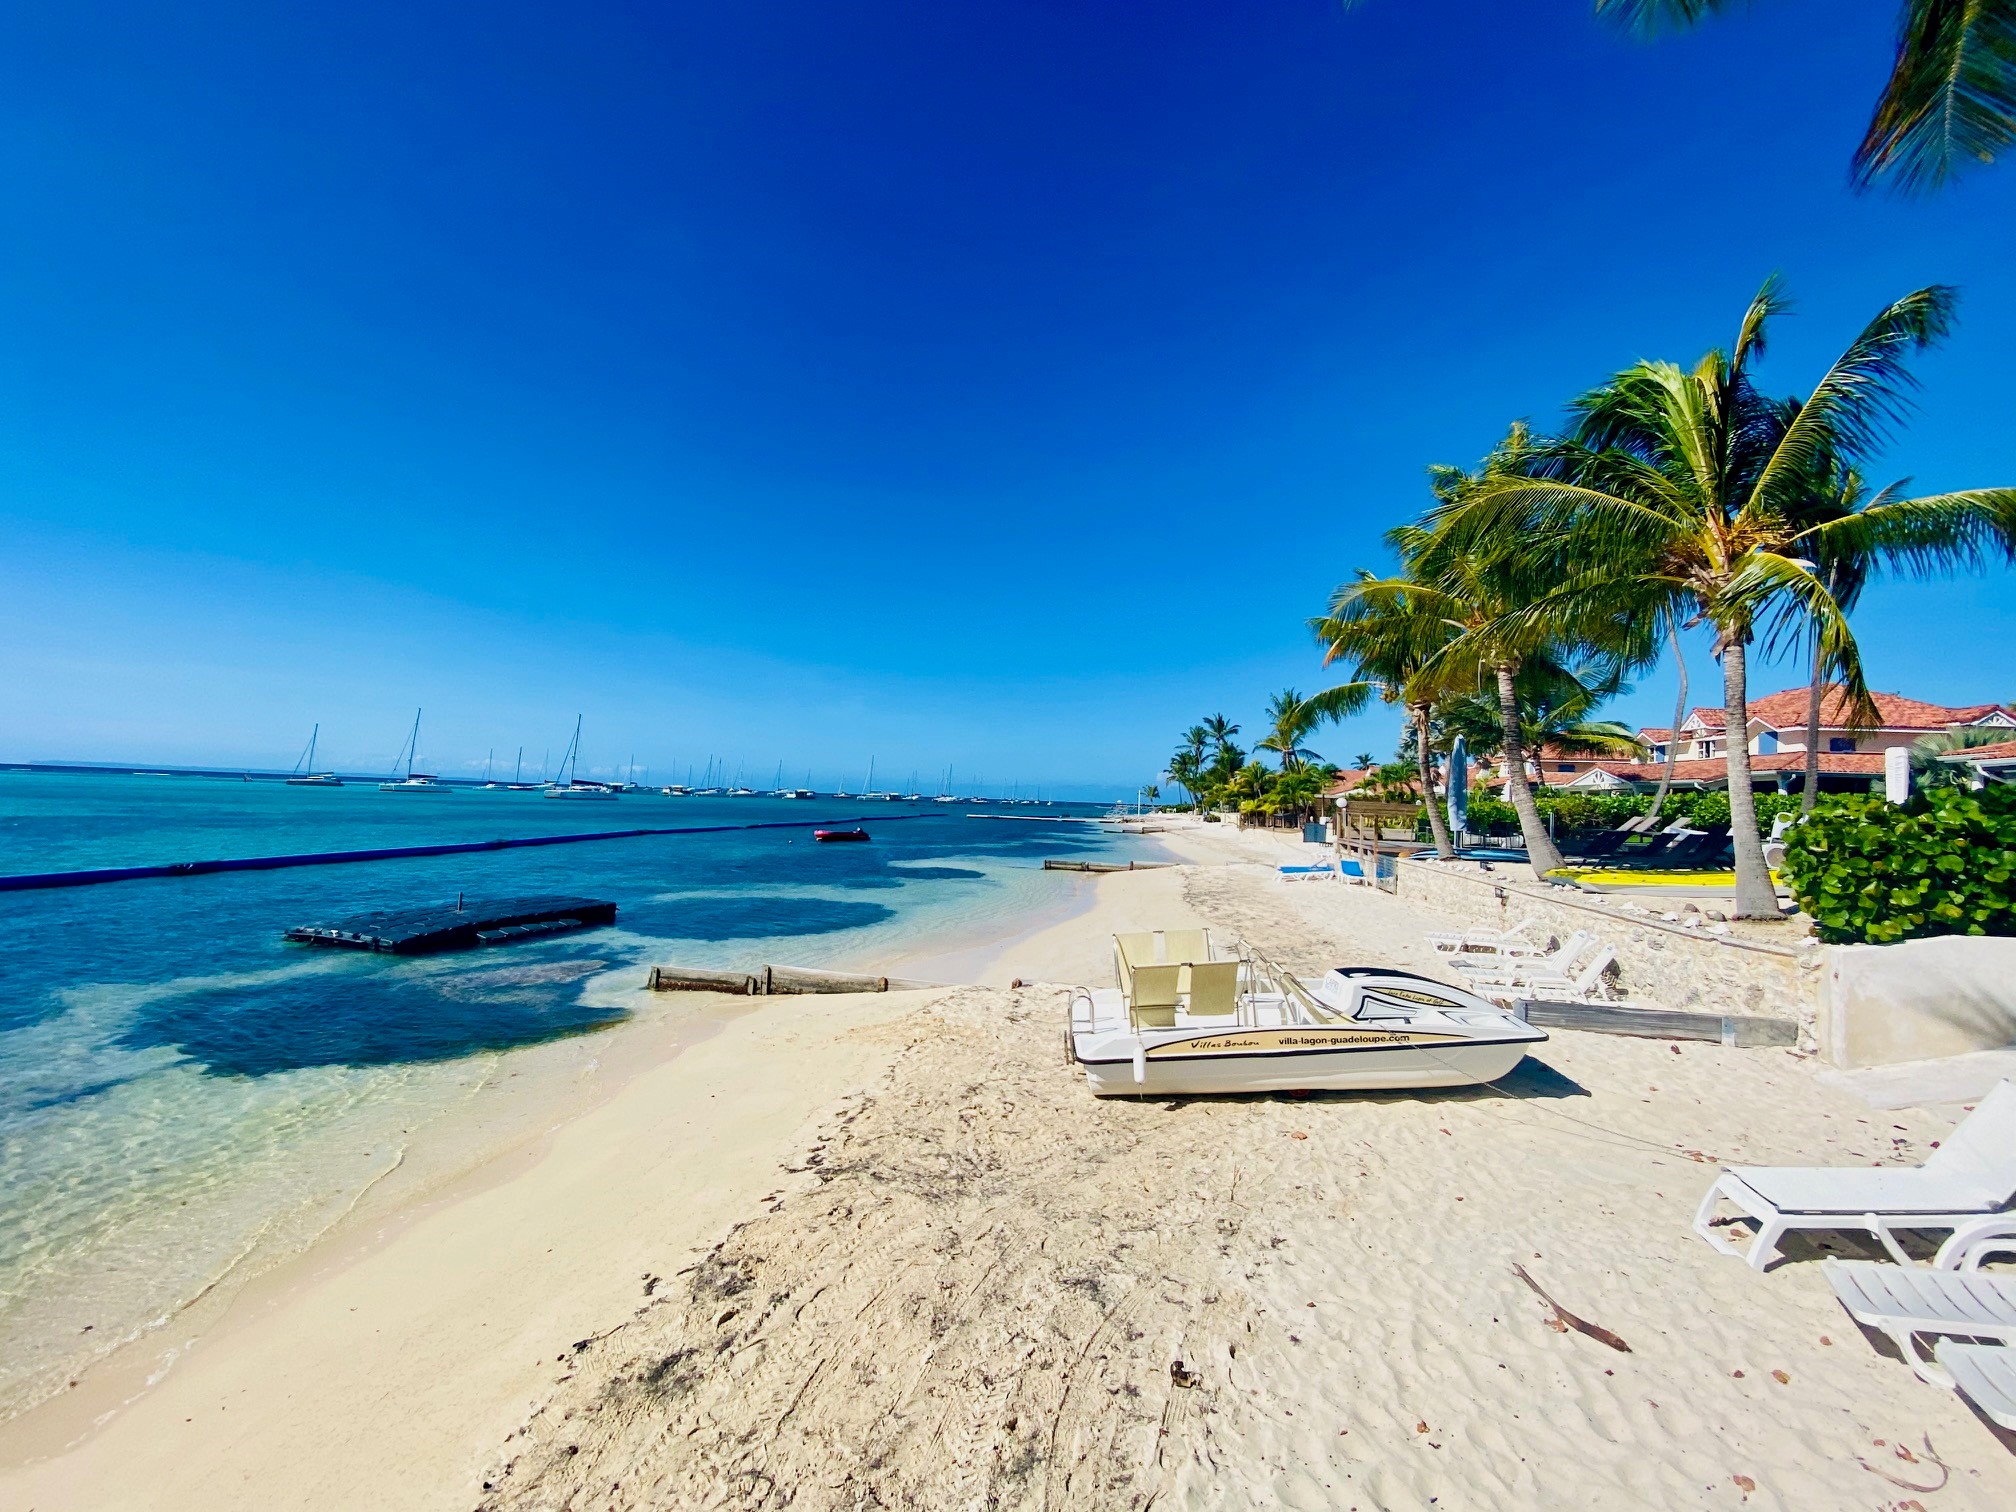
<point x="1706" y="718"/>
<point x="1787" y="710"/>
<point x="2001" y="750"/>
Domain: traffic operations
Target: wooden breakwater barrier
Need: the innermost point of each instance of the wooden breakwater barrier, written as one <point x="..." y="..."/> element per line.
<point x="1105" y="866"/>
<point x="1744" y="1031"/>
<point x="422" y="931"/>
<point x="769" y="981"/>
<point x="93" y="876"/>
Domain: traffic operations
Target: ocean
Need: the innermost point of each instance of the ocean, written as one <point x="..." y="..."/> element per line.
<point x="184" y="1097"/>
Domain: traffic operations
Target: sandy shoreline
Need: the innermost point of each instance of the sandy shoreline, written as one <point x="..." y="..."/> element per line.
<point x="880" y="1251"/>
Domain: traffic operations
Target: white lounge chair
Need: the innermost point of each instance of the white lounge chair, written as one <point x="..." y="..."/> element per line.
<point x="1970" y="1176"/>
<point x="1985" y="1374"/>
<point x="1584" y="985"/>
<point x="1559" y="961"/>
<point x="1526" y="938"/>
<point x="1905" y="1301"/>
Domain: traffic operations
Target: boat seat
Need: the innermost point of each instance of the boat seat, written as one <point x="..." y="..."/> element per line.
<point x="1214" y="989"/>
<point x="1151" y="1003"/>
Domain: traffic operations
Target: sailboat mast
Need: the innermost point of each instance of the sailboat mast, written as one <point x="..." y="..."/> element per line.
<point x="518" y="767"/>
<point x="413" y="743"/>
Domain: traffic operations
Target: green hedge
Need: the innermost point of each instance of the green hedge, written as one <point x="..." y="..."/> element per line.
<point x="1587" y="811"/>
<point x="1872" y="872"/>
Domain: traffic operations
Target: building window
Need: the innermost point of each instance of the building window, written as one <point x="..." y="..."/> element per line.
<point x="1767" y="743"/>
<point x="1564" y="766"/>
<point x="1838" y="743"/>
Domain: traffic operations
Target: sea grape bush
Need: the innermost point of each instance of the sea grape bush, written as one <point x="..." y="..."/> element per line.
<point x="1873" y="872"/>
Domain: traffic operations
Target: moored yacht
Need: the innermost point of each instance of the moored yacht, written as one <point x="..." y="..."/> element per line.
<point x="304" y="774"/>
<point x="424" y="783"/>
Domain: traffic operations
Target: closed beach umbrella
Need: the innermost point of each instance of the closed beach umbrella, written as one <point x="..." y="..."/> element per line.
<point x="1459" y="787"/>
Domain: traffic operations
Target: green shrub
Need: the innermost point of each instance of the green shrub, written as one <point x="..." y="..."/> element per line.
<point x="1872" y="872"/>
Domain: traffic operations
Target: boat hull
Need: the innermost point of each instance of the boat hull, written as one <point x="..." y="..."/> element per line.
<point x="1357" y="1068"/>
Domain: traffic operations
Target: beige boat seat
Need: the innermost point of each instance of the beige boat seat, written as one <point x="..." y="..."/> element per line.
<point x="1186" y="946"/>
<point x="1214" y="989"/>
<point x="1152" y="1002"/>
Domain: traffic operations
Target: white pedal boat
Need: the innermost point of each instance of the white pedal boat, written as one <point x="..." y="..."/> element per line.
<point x="1359" y="1029"/>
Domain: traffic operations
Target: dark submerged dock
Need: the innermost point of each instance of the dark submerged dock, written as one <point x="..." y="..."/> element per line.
<point x="463" y="926"/>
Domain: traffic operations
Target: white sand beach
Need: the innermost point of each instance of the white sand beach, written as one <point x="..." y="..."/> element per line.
<point x="885" y="1250"/>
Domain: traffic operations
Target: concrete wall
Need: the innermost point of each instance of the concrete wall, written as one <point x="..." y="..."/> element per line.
<point x="1917" y="1000"/>
<point x="1659" y="964"/>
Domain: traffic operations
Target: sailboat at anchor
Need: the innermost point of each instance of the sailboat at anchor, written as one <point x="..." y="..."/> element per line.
<point x="305" y="774"/>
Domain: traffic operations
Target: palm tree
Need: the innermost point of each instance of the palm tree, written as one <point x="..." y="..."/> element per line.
<point x="1928" y="770"/>
<point x="1951" y="97"/>
<point x="1555" y="703"/>
<point x="1687" y="494"/>
<point x="1484" y="591"/>
<point x="1293" y="718"/>
<point x="1364" y="761"/>
<point x="1385" y="630"/>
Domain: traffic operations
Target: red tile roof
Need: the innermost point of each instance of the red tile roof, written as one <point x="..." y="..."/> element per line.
<point x="1713" y="719"/>
<point x="2001" y="750"/>
<point x="1715" y="768"/>
<point x="1787" y="710"/>
<point x="1655" y="733"/>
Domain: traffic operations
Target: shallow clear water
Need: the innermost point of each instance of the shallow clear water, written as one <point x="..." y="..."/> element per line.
<point x="180" y="1089"/>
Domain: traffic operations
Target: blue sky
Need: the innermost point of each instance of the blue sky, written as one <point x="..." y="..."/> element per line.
<point x="994" y="384"/>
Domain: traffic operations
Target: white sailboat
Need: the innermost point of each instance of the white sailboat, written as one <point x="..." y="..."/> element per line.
<point x="305" y="774"/>
<point x="573" y="787"/>
<point x="413" y="782"/>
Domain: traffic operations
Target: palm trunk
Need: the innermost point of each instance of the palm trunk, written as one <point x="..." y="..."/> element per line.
<point x="1813" y="697"/>
<point x="1541" y="851"/>
<point x="1679" y="718"/>
<point x="1755" y="897"/>
<point x="1437" y="824"/>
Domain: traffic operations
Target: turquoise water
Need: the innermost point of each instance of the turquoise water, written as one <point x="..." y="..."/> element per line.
<point x="182" y="1092"/>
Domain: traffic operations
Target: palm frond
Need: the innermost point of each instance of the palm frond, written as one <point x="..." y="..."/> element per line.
<point x="1924" y="537"/>
<point x="1765" y="579"/>
<point x="1648" y="18"/>
<point x="1951" y="97"/>
<point x="1863" y="394"/>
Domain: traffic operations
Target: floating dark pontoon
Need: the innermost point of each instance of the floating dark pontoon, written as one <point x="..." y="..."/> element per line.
<point x="448" y="926"/>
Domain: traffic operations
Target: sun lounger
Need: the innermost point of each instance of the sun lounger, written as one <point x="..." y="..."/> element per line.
<point x="1971" y="1175"/>
<point x="1985" y="1374"/>
<point x="1526" y="938"/>
<point x="1585" y="985"/>
<point x="1557" y="962"/>
<point x="1904" y="1301"/>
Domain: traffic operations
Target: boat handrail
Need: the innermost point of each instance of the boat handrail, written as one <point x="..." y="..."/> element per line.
<point x="1289" y="985"/>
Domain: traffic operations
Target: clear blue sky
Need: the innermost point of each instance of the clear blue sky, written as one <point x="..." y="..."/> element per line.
<point x="1001" y="384"/>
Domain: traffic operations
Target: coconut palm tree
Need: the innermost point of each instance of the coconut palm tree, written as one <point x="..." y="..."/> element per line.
<point x="1387" y="633"/>
<point x="1686" y="494"/>
<point x="1293" y="718"/>
<point x="1555" y="705"/>
<point x="1951" y="97"/>
<point x="1484" y="590"/>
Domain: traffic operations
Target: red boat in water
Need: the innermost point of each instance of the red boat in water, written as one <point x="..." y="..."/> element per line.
<point x="833" y="837"/>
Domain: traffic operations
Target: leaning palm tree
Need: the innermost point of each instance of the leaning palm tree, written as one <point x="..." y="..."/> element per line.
<point x="1383" y="629"/>
<point x="1485" y="591"/>
<point x="1951" y="97"/>
<point x="1686" y="494"/>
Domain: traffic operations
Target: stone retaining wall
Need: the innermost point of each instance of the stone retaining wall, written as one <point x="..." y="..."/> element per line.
<point x="1658" y="964"/>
